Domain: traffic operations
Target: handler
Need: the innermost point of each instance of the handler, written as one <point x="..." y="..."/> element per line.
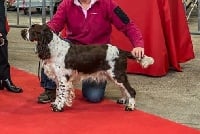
<point x="90" y="22"/>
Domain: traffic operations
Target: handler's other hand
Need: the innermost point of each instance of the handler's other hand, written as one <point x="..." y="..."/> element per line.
<point x="138" y="52"/>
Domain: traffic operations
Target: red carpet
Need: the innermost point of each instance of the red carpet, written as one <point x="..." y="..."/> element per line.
<point x="20" y="114"/>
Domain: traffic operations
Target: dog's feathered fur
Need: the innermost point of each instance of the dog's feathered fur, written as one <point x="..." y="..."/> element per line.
<point x="63" y="62"/>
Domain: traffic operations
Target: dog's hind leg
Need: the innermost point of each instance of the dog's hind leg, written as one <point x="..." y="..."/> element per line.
<point x="127" y="91"/>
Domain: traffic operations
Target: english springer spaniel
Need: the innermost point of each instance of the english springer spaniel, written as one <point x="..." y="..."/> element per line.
<point x="63" y="62"/>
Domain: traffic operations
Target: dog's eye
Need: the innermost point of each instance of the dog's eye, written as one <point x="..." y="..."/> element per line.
<point x="32" y="26"/>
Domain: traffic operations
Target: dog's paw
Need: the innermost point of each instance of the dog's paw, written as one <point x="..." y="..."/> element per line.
<point x="127" y="108"/>
<point x="146" y="61"/>
<point x="55" y="108"/>
<point x="130" y="104"/>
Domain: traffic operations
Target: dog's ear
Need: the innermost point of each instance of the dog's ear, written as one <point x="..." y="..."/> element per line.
<point x="46" y="34"/>
<point x="45" y="38"/>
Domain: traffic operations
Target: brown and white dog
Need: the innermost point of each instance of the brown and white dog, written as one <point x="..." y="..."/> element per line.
<point x="63" y="62"/>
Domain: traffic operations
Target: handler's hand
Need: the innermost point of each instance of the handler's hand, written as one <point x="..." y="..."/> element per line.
<point x="138" y="52"/>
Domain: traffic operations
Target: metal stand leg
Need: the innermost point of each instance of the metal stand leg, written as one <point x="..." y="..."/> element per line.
<point x="193" y="5"/>
<point x="198" y="32"/>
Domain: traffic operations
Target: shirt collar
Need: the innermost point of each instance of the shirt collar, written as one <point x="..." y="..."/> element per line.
<point x="76" y="2"/>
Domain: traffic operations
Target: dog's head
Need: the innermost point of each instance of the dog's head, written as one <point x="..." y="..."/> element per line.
<point x="39" y="33"/>
<point x="43" y="35"/>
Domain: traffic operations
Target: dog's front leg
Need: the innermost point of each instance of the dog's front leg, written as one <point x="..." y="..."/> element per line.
<point x="64" y="95"/>
<point x="61" y="92"/>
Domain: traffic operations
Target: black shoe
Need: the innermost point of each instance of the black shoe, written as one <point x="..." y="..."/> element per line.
<point x="49" y="95"/>
<point x="10" y="86"/>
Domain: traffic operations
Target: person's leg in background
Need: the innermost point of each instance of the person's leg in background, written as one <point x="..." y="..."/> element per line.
<point x="93" y="91"/>
<point x="49" y="86"/>
<point x="5" y="77"/>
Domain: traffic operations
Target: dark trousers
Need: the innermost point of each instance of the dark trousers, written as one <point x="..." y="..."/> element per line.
<point x="45" y="82"/>
<point x="4" y="65"/>
<point x="92" y="90"/>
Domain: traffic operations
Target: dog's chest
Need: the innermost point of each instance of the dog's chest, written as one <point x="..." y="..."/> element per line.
<point x="58" y="51"/>
<point x="56" y="63"/>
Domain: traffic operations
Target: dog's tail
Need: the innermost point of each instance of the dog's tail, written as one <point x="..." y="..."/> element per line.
<point x="145" y="61"/>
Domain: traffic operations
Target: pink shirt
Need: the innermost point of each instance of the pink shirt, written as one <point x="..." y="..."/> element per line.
<point x="95" y="26"/>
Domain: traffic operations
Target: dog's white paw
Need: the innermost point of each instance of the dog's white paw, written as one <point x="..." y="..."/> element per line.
<point x="56" y="108"/>
<point x="130" y="104"/>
